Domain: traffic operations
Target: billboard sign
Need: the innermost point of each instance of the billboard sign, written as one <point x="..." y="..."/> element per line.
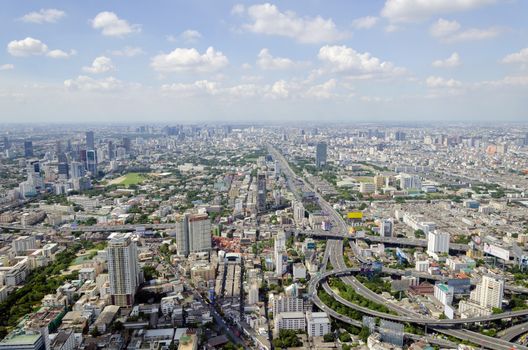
<point x="496" y="251"/>
<point x="355" y="215"/>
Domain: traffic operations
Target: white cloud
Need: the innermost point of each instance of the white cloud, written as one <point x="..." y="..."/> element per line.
<point x="343" y="59"/>
<point x="365" y="22"/>
<point x="61" y="54"/>
<point x="85" y="83"/>
<point x="449" y="31"/>
<point x="189" y="60"/>
<point x="128" y="51"/>
<point x="7" y="66"/>
<point x="266" y="61"/>
<point x="279" y="89"/>
<point x="417" y="10"/>
<point x="324" y="90"/>
<point x="517" y="57"/>
<point x="101" y="64"/>
<point x="44" y="16"/>
<point x="391" y="28"/>
<point x="443" y="27"/>
<point x="473" y="34"/>
<point x="238" y="9"/>
<point x="199" y="87"/>
<point x="191" y="35"/>
<point x="439" y="82"/>
<point x="27" y="47"/>
<point x="111" y="25"/>
<point x="34" y="47"/>
<point x="521" y="80"/>
<point x="187" y="36"/>
<point x="267" y="19"/>
<point x="450" y="62"/>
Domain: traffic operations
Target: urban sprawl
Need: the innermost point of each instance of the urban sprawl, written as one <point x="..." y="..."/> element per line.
<point x="263" y="237"/>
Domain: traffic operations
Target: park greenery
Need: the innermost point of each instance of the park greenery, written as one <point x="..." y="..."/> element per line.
<point x="40" y="282"/>
<point x="287" y="339"/>
<point x="347" y="292"/>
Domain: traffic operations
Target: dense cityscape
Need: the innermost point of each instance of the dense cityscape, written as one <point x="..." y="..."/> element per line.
<point x="257" y="175"/>
<point x="262" y="237"/>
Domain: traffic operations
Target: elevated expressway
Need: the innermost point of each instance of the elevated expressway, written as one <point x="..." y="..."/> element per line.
<point x="334" y="254"/>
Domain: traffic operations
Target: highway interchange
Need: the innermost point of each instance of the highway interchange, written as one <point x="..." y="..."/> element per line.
<point x="334" y="254"/>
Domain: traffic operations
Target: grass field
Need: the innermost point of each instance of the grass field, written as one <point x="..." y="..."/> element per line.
<point x="129" y="179"/>
<point x="133" y="179"/>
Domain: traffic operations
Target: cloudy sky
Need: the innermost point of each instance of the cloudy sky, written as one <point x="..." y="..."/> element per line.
<point x="312" y="60"/>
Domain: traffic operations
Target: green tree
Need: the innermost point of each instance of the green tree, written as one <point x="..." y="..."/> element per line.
<point x="328" y="337"/>
<point x="364" y="333"/>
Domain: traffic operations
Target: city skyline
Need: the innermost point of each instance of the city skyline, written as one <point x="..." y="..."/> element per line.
<point x="385" y="61"/>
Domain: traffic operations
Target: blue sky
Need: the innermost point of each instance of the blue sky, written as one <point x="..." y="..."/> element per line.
<point x="190" y="61"/>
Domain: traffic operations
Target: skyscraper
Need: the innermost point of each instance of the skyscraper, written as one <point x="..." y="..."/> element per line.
<point x="90" y="142"/>
<point x="127" y="145"/>
<point x="193" y="233"/>
<point x="28" y="149"/>
<point x="58" y="148"/>
<point x="279" y="251"/>
<point x="111" y="150"/>
<point x="63" y="170"/>
<point x="123" y="269"/>
<point x="261" y="192"/>
<point x="91" y="162"/>
<point x="76" y="170"/>
<point x="320" y="154"/>
<point x="7" y="144"/>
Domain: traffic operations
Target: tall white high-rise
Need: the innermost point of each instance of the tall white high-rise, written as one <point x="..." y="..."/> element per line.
<point x="438" y="242"/>
<point x="279" y="247"/>
<point x="123" y="269"/>
<point x="193" y="234"/>
<point x="489" y="292"/>
<point x="298" y="211"/>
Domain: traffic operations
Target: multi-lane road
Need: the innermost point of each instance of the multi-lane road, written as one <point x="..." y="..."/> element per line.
<point x="334" y="254"/>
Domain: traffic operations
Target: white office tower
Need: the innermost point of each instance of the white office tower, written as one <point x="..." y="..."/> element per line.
<point x="489" y="292"/>
<point x="410" y="182"/>
<point x="193" y="234"/>
<point x="318" y="324"/>
<point x="123" y="269"/>
<point x="76" y="170"/>
<point x="279" y="251"/>
<point x="283" y="303"/>
<point x="437" y="242"/>
<point x="386" y="228"/>
<point x="277" y="169"/>
<point x="298" y="211"/>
